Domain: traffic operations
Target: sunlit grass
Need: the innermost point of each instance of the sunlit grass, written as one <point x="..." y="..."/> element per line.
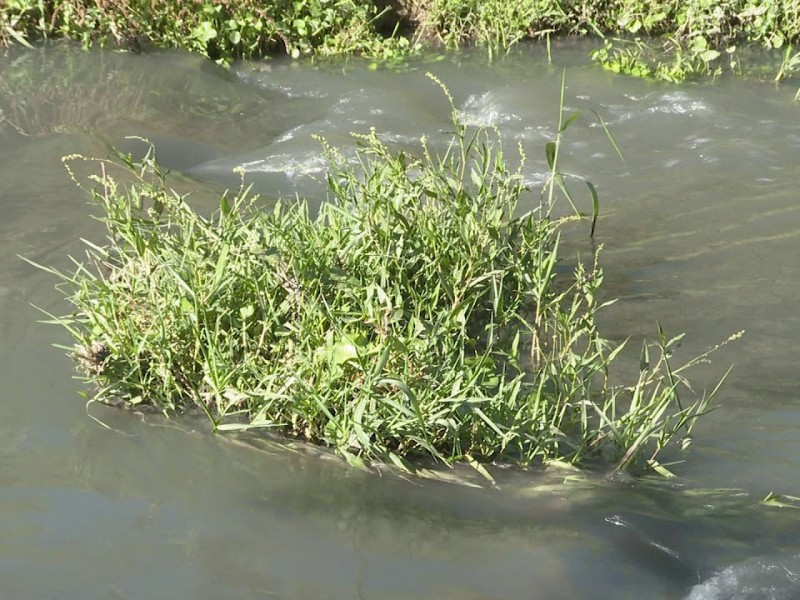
<point x="417" y="314"/>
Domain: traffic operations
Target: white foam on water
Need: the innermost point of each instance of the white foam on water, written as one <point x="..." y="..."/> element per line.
<point x="677" y="103"/>
<point x="291" y="165"/>
<point x="753" y="579"/>
<point x="670" y="103"/>
<point x="484" y="111"/>
<point x="264" y="79"/>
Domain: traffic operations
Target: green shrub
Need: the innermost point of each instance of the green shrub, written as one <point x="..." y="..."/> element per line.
<point x="221" y="30"/>
<point x="496" y="25"/>
<point x="674" y="40"/>
<point x="418" y="313"/>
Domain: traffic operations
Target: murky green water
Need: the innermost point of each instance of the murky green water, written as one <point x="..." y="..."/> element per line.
<point x="701" y="231"/>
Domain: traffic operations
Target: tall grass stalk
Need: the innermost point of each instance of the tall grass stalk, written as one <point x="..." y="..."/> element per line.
<point x="417" y="314"/>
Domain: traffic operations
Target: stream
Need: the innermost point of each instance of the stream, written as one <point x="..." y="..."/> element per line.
<point x="700" y="233"/>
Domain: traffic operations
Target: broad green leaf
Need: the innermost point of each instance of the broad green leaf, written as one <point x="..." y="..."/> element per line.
<point x="550" y="152"/>
<point x="572" y="118"/>
<point x="343" y="351"/>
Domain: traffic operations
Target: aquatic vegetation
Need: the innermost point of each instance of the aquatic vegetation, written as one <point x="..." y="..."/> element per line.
<point x="417" y="314"/>
<point x="668" y="61"/>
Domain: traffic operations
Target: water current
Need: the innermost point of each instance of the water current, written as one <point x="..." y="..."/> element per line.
<point x="700" y="230"/>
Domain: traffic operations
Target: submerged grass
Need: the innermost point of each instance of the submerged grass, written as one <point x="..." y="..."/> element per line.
<point x="417" y="314"/>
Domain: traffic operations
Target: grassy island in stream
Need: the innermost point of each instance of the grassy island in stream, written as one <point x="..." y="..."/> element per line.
<point x="417" y="314"/>
<point x="662" y="39"/>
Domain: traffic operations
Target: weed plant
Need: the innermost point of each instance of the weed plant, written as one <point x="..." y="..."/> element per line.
<point x="222" y="31"/>
<point x="417" y="314"/>
<point x="663" y="39"/>
<point x="660" y="39"/>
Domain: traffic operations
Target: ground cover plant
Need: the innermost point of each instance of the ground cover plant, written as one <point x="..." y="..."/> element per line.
<point x="662" y="39"/>
<point x="220" y="30"/>
<point x="419" y="313"/>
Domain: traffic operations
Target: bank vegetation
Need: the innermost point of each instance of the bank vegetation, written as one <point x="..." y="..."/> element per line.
<point x="665" y="39"/>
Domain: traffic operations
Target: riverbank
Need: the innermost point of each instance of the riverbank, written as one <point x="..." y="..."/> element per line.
<point x="662" y="39"/>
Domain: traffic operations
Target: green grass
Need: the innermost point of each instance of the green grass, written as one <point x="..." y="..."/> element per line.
<point x="418" y="314"/>
<point x="661" y="39"/>
<point x="221" y="30"/>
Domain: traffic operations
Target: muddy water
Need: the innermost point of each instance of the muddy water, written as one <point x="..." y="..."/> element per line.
<point x="700" y="228"/>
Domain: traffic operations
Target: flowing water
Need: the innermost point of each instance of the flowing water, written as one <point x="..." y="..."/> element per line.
<point x="700" y="230"/>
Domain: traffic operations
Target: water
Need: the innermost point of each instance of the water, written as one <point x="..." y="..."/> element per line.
<point x="700" y="227"/>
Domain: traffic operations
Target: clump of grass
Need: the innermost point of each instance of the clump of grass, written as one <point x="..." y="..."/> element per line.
<point x="672" y="41"/>
<point x="417" y="314"/>
<point x="222" y="31"/>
